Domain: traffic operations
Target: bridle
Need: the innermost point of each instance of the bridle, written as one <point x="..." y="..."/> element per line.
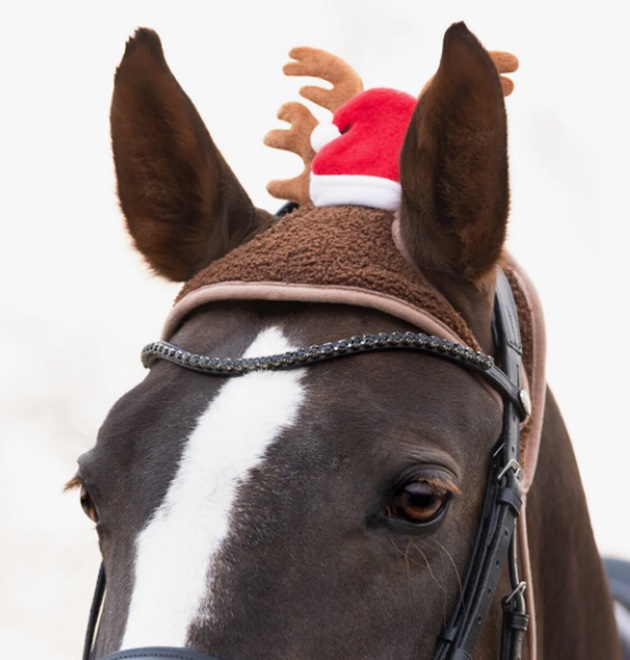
<point x="495" y="538"/>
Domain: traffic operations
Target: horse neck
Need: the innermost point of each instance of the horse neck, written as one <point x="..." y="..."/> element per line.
<point x="574" y="613"/>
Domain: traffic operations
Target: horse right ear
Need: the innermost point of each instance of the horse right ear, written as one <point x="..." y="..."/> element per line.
<point x="183" y="205"/>
<point x="454" y="168"/>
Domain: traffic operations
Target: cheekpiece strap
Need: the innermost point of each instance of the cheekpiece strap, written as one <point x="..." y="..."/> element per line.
<point x="495" y="539"/>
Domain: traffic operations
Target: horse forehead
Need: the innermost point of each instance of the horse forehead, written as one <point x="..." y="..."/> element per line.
<point x="388" y="403"/>
<point x="391" y="386"/>
<point x="439" y="398"/>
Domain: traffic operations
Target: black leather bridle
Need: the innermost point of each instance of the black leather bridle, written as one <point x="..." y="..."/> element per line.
<point x="495" y="538"/>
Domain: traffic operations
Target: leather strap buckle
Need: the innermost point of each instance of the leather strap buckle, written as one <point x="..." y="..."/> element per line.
<point x="514" y="465"/>
<point x="520" y="588"/>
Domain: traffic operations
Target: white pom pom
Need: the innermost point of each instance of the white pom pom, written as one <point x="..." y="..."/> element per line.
<point x="323" y="134"/>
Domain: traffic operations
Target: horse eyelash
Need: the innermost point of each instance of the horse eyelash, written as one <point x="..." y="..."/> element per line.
<point x="441" y="484"/>
<point x="75" y="482"/>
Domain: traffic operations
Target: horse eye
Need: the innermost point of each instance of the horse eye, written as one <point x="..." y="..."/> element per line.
<point x="88" y="505"/>
<point x="418" y="502"/>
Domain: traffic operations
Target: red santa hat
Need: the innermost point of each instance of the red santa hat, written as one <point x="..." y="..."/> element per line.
<point x="358" y="155"/>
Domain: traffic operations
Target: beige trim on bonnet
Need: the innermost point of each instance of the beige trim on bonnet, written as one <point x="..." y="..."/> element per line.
<point x="282" y="291"/>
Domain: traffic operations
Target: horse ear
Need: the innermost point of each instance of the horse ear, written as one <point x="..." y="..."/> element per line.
<point x="454" y="170"/>
<point x="183" y="205"/>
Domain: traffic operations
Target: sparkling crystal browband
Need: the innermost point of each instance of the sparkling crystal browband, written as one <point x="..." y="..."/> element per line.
<point x="162" y="350"/>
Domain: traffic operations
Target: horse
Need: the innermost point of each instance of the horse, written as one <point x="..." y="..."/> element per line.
<point x="344" y="445"/>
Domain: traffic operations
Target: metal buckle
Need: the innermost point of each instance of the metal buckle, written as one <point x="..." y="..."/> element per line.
<point x="513" y="464"/>
<point x="517" y="592"/>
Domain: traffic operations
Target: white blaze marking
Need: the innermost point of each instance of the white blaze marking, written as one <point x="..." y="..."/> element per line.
<point x="176" y="548"/>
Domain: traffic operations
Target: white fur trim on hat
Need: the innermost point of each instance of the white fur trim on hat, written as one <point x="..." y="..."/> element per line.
<point x="356" y="190"/>
<point x="322" y="134"/>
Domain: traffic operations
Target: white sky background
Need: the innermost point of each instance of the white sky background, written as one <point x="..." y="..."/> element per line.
<point x="77" y="304"/>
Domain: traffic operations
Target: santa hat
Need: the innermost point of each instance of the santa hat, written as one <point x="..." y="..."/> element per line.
<point x="358" y="155"/>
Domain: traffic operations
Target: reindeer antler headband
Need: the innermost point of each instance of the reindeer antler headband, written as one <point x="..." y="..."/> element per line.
<point x="346" y="85"/>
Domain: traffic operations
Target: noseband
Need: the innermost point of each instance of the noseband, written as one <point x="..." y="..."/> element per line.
<point x="495" y="538"/>
<point x="159" y="653"/>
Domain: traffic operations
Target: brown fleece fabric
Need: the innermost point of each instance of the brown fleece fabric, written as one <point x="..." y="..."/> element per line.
<point x="346" y="246"/>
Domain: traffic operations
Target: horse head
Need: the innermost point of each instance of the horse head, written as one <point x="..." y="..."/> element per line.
<point x="328" y="510"/>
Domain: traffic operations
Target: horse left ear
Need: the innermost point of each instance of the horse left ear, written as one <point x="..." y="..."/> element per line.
<point x="454" y="173"/>
<point x="183" y="205"/>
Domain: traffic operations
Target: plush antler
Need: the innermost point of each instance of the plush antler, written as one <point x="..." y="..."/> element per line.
<point x="345" y="85"/>
<point x="298" y="140"/>
<point x="504" y="63"/>
<point x="321" y="64"/>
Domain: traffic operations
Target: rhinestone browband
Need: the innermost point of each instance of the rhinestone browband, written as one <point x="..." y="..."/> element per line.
<point x="162" y="350"/>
